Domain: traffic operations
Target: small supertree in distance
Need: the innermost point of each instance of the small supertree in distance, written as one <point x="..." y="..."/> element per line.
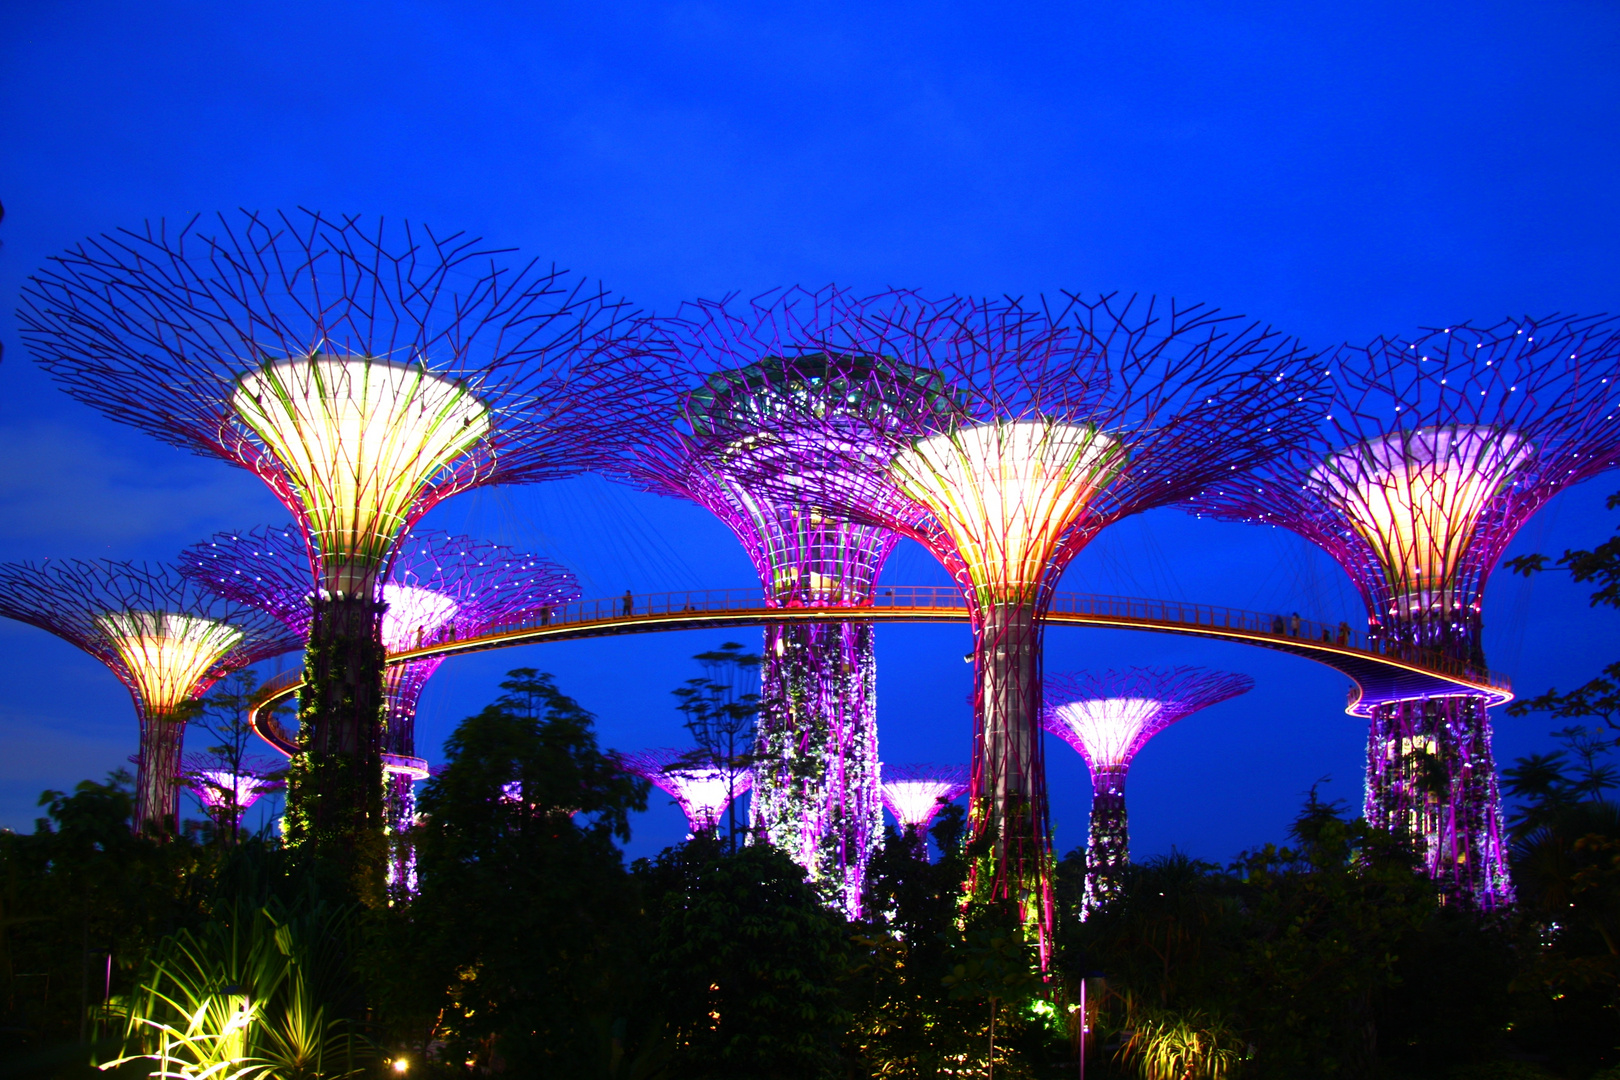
<point x="1108" y="717"/>
<point x="703" y="787"/>
<point x="1435" y="449"/>
<point x="364" y="372"/>
<point x="439" y="588"/>
<point x="915" y="794"/>
<point x="750" y="378"/>
<point x="165" y="639"/>
<point x="1041" y="426"/>
<point x="225" y="793"/>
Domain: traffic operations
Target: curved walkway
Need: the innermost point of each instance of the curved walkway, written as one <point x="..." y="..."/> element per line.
<point x="1378" y="678"/>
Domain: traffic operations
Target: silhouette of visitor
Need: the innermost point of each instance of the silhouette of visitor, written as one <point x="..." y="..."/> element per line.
<point x="1277" y="625"/>
<point x="1344" y="633"/>
<point x="1293" y="625"/>
<point x="629" y="603"/>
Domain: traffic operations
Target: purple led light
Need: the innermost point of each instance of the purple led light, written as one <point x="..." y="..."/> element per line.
<point x="916" y="794"/>
<point x="703" y="790"/>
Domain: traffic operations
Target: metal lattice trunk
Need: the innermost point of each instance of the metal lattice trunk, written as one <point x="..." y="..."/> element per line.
<point x="1108" y="849"/>
<point x="157" y="788"/>
<point x="1432" y="775"/>
<point x="817" y="791"/>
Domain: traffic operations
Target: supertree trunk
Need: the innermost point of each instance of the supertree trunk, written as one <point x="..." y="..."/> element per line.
<point x="1431" y="774"/>
<point x="157" y="797"/>
<point x="335" y="787"/>
<point x="817" y="793"/>
<point x="1008" y="822"/>
<point x="399" y="814"/>
<point x="1108" y="847"/>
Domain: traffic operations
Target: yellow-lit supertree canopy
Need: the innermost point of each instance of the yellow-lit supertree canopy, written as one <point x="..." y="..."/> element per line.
<point x="164" y="638"/>
<point x="365" y="372"/>
<point x="1432" y="452"/>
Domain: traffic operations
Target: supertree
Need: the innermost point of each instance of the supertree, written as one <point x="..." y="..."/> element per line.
<point x="1434" y="451"/>
<point x="1108" y="717"/>
<point x="750" y="379"/>
<point x="702" y="787"/>
<point x="165" y="639"/>
<point x="226" y="794"/>
<point x="439" y="587"/>
<point x="915" y="794"/>
<point x="364" y="372"/>
<point x="1046" y="426"/>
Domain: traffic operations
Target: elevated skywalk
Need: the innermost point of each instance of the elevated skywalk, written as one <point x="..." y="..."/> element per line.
<point x="1377" y="677"/>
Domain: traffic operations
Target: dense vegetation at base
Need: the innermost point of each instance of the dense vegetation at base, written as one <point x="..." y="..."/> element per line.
<point x="532" y="950"/>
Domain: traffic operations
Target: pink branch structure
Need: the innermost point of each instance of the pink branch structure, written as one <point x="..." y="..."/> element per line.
<point x="753" y="393"/>
<point x="703" y="789"/>
<point x="166" y="640"/>
<point x="1436" y="449"/>
<point x="439" y="588"/>
<point x="915" y="794"/>
<point x="1003" y="438"/>
<point x="226" y="794"/>
<point x="365" y="372"/>
<point x="1108" y="717"/>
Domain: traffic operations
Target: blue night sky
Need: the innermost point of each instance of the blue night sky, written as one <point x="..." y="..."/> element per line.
<point x="1339" y="170"/>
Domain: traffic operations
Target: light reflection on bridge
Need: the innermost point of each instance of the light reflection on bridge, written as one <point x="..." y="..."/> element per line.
<point x="1377" y="677"/>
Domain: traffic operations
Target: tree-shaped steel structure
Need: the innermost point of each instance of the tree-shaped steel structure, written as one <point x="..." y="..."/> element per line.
<point x="703" y="789"/>
<point x="364" y="372"/>
<point x="915" y="794"/>
<point x="439" y="588"/>
<point x="165" y="639"/>
<point x="751" y="380"/>
<point x="1435" y="450"/>
<point x="226" y="794"/>
<point x="1041" y="426"/>
<point x="1108" y="717"/>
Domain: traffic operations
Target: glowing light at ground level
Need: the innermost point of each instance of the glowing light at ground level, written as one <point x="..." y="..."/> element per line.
<point x="1006" y="492"/>
<point x="359" y="438"/>
<point x="166" y="653"/>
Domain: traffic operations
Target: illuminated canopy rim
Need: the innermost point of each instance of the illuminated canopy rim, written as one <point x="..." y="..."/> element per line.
<point x="1109" y="716"/>
<point x="1007" y="492"/>
<point x="359" y="439"/>
<point x="167" y="654"/>
<point x="1417" y="496"/>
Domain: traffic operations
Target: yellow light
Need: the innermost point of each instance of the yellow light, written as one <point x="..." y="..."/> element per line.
<point x="167" y="654"/>
<point x="359" y="438"/>
<point x="1417" y="496"/>
<point x="1005" y="493"/>
<point x="401" y="1065"/>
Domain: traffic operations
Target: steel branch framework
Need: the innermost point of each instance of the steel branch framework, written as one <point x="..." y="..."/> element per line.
<point x="757" y="387"/>
<point x="364" y="372"/>
<point x="915" y="794"/>
<point x="226" y="794"/>
<point x="1435" y="450"/>
<point x="1108" y="717"/>
<point x="165" y="639"/>
<point x="1027" y="430"/>
<point x="439" y="588"/>
<point x="702" y="788"/>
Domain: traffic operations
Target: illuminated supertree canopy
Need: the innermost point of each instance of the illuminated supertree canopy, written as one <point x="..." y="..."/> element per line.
<point x="703" y="789"/>
<point x="227" y="793"/>
<point x="915" y="794"/>
<point x="365" y="372"/>
<point x="1435" y="449"/>
<point x="165" y="639"/>
<point x="439" y="588"/>
<point x="1108" y="717"/>
<point x="1046" y="425"/>
<point x="756" y="388"/>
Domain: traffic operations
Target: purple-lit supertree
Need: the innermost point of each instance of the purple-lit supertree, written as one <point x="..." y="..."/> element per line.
<point x="1435" y="449"/>
<point x="1108" y="717"/>
<point x="915" y="794"/>
<point x="165" y="639"/>
<point x="439" y="588"/>
<point x="703" y="788"/>
<point x="364" y="372"/>
<point x="750" y="380"/>
<point x="226" y="793"/>
<point x="1046" y="426"/>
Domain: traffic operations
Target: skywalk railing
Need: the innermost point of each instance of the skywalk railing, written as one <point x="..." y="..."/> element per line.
<point x="1285" y="630"/>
